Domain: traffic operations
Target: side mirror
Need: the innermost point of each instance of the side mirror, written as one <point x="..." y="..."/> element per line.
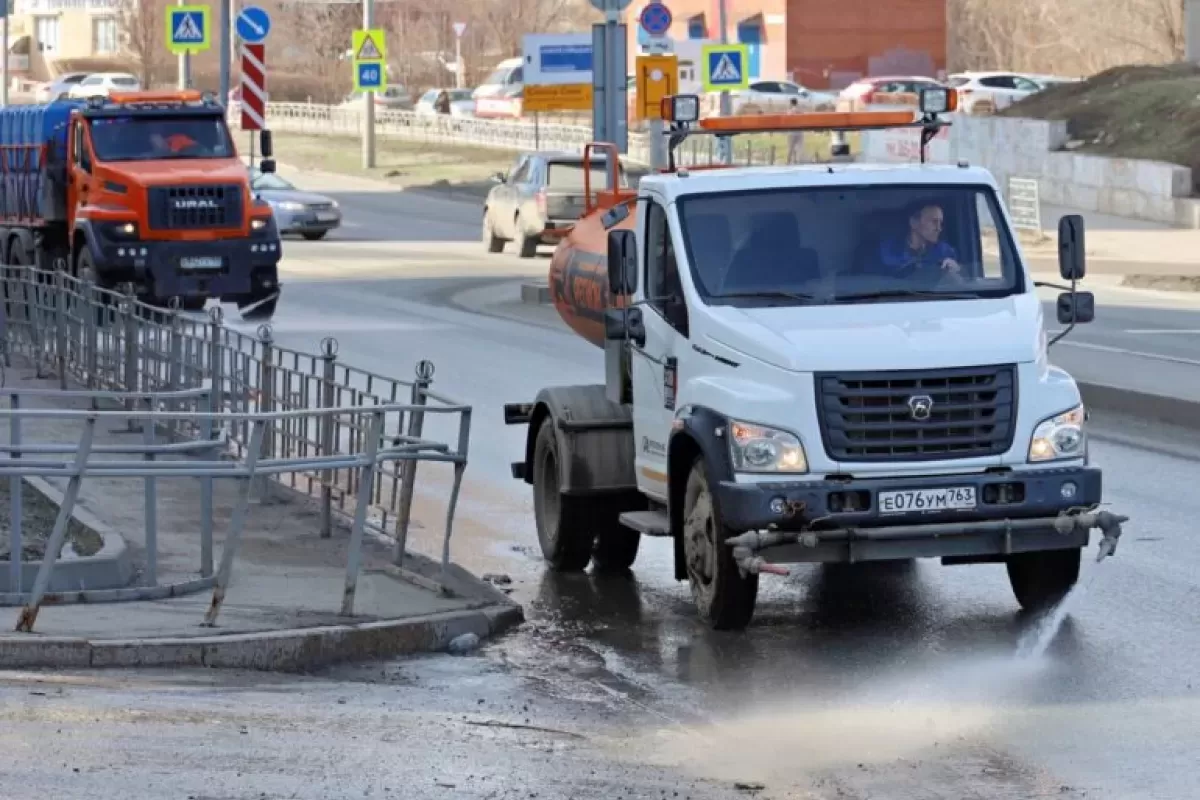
<point x="622" y="262"/>
<point x="499" y="178"/>
<point x="1076" y="308"/>
<point x="266" y="166"/>
<point x="1071" y="260"/>
<point x="266" y="144"/>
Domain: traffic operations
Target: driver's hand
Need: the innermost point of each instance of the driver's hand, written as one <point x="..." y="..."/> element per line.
<point x="950" y="265"/>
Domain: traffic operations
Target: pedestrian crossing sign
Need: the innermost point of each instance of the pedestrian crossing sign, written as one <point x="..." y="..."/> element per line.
<point x="725" y="67"/>
<point x="369" y="45"/>
<point x="189" y="29"/>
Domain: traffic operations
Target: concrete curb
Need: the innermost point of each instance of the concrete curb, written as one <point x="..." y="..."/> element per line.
<point x="293" y="650"/>
<point x="1178" y="411"/>
<point x="1163" y="283"/>
<point x="109" y="569"/>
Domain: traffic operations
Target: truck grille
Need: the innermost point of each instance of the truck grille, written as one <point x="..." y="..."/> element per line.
<point x="195" y="207"/>
<point x="320" y="206"/>
<point x="922" y="415"/>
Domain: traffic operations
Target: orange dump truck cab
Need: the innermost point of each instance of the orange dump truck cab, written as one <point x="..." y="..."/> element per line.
<point x="142" y="190"/>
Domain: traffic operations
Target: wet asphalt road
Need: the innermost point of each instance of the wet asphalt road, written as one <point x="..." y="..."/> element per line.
<point x="858" y="682"/>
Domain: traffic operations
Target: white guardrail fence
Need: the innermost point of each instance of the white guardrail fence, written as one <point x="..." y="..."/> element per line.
<point x="501" y="134"/>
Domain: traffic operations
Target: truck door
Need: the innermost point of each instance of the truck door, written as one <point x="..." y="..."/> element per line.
<point x="654" y="365"/>
<point x="79" y="171"/>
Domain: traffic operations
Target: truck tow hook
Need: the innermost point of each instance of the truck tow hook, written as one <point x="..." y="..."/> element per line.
<point x="1107" y="522"/>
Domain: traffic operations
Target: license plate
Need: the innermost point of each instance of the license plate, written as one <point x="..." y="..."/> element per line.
<point x="951" y="498"/>
<point x="200" y="262"/>
<point x="326" y="216"/>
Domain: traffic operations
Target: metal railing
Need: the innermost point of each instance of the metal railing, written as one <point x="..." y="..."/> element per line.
<point x="325" y="120"/>
<point x="109" y="342"/>
<point x="78" y="461"/>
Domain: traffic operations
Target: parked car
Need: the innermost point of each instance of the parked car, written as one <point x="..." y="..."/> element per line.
<point x="867" y="94"/>
<point x="542" y="193"/>
<point x="100" y="84"/>
<point x="52" y="90"/>
<point x="991" y="90"/>
<point x="778" y="96"/>
<point x="454" y="102"/>
<point x="393" y="98"/>
<point x="309" y="214"/>
<point x="1048" y="81"/>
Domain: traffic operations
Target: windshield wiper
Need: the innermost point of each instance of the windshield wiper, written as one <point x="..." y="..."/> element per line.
<point x="803" y="298"/>
<point x="890" y="293"/>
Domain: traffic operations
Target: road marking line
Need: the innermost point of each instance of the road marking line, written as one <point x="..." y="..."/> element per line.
<point x="1160" y="331"/>
<point x="1135" y="353"/>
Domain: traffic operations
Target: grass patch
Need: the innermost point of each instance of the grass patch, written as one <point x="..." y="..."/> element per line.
<point x="37" y="523"/>
<point x="407" y="164"/>
<point x="1150" y="112"/>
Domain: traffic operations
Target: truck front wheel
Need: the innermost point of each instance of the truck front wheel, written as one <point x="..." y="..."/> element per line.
<point x="562" y="525"/>
<point x="723" y="596"/>
<point x="1040" y="580"/>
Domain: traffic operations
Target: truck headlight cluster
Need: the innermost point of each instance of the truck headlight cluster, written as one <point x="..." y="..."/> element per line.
<point x="757" y="448"/>
<point x="1059" y="437"/>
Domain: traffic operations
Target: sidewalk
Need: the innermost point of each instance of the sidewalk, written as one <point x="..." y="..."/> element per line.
<point x="287" y="583"/>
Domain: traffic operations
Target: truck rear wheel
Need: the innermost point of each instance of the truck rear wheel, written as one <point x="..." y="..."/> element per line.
<point x="526" y="245"/>
<point x="724" y="597"/>
<point x="616" y="546"/>
<point x="1041" y="580"/>
<point x="493" y="242"/>
<point x="562" y="524"/>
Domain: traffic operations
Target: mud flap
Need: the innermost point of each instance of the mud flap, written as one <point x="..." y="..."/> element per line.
<point x="260" y="309"/>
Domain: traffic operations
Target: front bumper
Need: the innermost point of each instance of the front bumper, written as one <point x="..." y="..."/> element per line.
<point x="245" y="265"/>
<point x="841" y="520"/>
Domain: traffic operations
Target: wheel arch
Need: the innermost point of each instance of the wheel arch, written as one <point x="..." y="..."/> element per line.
<point x="700" y="432"/>
<point x="595" y="439"/>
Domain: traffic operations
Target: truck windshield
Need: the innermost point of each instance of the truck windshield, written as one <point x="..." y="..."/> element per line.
<point x="849" y="244"/>
<point x="148" y="138"/>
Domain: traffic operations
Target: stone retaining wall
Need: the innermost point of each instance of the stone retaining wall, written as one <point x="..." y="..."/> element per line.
<point x="1028" y="148"/>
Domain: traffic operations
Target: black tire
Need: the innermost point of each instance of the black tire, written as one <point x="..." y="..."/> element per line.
<point x="528" y="244"/>
<point x="616" y="546"/>
<point x="724" y="598"/>
<point x="313" y="236"/>
<point x="1041" y="580"/>
<point x="562" y="527"/>
<point x="493" y="242"/>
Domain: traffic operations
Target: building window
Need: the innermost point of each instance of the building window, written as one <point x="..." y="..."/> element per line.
<point x="46" y="33"/>
<point x="696" y="27"/>
<point x="104" y="35"/>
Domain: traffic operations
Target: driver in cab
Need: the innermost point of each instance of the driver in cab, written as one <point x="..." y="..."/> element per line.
<point x="922" y="249"/>
<point x="162" y="146"/>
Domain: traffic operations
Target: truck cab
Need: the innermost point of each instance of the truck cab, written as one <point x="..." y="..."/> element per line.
<point x="827" y="364"/>
<point x="157" y="198"/>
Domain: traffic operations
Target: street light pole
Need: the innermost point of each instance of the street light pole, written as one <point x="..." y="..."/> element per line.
<point x="368" y="142"/>
<point x="226" y="48"/>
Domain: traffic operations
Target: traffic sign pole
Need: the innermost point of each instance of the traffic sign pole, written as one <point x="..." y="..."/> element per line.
<point x="368" y="141"/>
<point x="185" y="63"/>
<point x="226" y="49"/>
<point x="724" y="143"/>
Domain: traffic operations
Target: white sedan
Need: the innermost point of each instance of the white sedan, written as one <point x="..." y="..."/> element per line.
<point x="768" y="97"/>
<point x="101" y="84"/>
<point x="995" y="89"/>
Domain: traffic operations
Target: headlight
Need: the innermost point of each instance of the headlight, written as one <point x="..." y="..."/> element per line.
<point x="756" y="448"/>
<point x="334" y="203"/>
<point x="1059" y="437"/>
<point x="123" y="230"/>
<point x="288" y="205"/>
<point x="258" y="224"/>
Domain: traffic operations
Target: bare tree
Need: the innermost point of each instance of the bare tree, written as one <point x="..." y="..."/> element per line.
<point x="141" y="23"/>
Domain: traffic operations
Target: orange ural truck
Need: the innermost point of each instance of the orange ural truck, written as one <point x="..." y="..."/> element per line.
<point x="141" y="191"/>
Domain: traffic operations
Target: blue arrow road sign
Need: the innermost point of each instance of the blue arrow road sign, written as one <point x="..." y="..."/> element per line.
<point x="253" y="25"/>
<point x="655" y="19"/>
<point x="370" y="74"/>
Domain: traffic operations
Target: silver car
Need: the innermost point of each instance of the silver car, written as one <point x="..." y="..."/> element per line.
<point x="309" y="214"/>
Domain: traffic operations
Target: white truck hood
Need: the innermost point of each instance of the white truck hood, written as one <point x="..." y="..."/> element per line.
<point x="885" y="335"/>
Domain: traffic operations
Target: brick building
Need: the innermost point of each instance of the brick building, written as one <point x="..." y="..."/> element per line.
<point x="819" y="43"/>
